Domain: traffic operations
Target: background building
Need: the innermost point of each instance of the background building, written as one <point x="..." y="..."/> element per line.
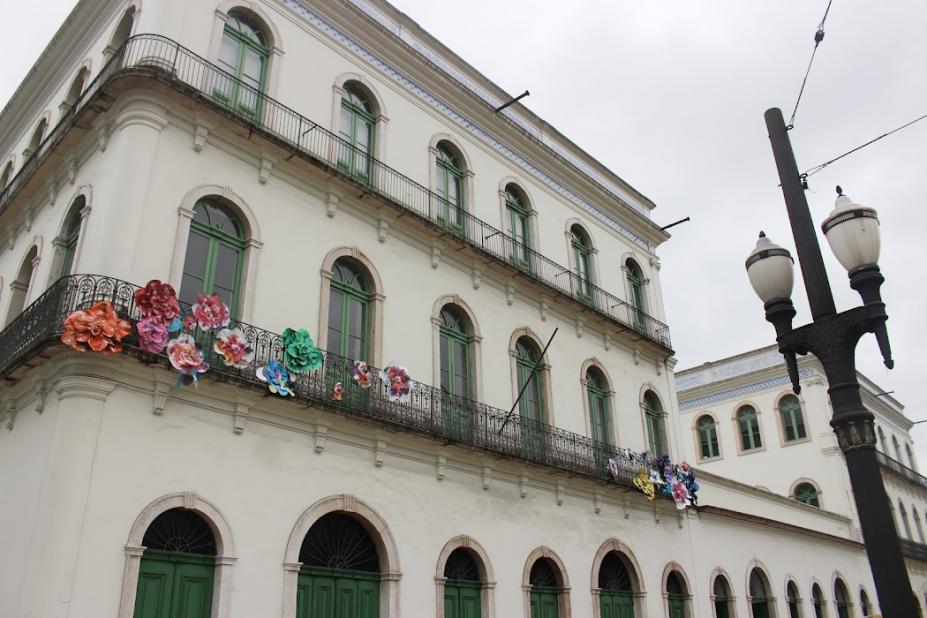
<point x="331" y="166"/>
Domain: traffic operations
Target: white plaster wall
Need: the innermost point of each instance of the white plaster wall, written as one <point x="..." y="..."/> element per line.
<point x="122" y="457"/>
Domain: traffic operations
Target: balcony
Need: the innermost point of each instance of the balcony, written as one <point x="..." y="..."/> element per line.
<point x="913" y="550"/>
<point x="157" y="57"/>
<point x="899" y="469"/>
<point x="427" y="411"/>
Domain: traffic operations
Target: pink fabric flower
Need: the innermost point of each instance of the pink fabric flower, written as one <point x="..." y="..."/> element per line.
<point x="232" y="346"/>
<point x="157" y="300"/>
<point x="152" y="334"/>
<point x="338" y="392"/>
<point x="361" y="374"/>
<point x="680" y="495"/>
<point x="210" y="312"/>
<point x="397" y="380"/>
<point x="186" y="357"/>
<point x="189" y="324"/>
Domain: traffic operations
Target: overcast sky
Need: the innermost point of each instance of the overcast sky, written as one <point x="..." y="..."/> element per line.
<point x="670" y="95"/>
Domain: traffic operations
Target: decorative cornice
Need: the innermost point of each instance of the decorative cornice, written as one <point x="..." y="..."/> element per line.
<point x="742" y="390"/>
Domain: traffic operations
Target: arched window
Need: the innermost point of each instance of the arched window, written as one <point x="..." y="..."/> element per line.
<point x="759" y="595"/>
<point x="616" y="593"/>
<point x="749" y="425"/>
<point x="817" y="602"/>
<point x="19" y="288"/>
<point x="582" y="263"/>
<point x="793" y="424"/>
<point x="897" y="450"/>
<point x="656" y="425"/>
<point x="77" y="87"/>
<point x="37" y="136"/>
<point x="722" y="597"/>
<point x="243" y="55"/>
<point x="121" y="33"/>
<point x="177" y="569"/>
<point x="7" y="175"/>
<point x="917" y="524"/>
<point x="531" y="404"/>
<point x="882" y="441"/>
<point x="456" y="349"/>
<point x="635" y="292"/>
<point x="707" y="437"/>
<point x="597" y="397"/>
<point x="907" y="448"/>
<point x="793" y="600"/>
<point x="807" y="494"/>
<point x="904" y="520"/>
<point x="449" y="179"/>
<point x="518" y="213"/>
<point x="864" y="606"/>
<point x="676" y="595"/>
<point x="545" y="589"/>
<point x="349" y="311"/>
<point x="842" y="599"/>
<point x="462" y="587"/>
<point x="340" y="572"/>
<point x="358" y="119"/>
<point x="215" y="254"/>
<point x="70" y="235"/>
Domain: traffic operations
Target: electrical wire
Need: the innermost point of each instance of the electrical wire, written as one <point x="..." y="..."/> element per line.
<point x="818" y="168"/>
<point x="818" y="37"/>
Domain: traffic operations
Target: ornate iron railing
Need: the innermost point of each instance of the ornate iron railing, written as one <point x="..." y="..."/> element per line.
<point x="176" y="65"/>
<point x="427" y="410"/>
<point x="901" y="470"/>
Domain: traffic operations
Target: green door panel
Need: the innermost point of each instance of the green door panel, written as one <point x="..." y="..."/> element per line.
<point x="461" y="600"/>
<point x="545" y="603"/>
<point x="337" y="594"/>
<point x="616" y="605"/>
<point x="153" y="594"/>
<point x="676" y="607"/>
<point x="193" y="595"/>
<point x="451" y="601"/>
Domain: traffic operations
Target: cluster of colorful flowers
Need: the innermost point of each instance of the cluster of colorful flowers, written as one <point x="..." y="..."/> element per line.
<point x="300" y="355"/>
<point x="395" y="379"/>
<point x="659" y="474"/>
<point x="162" y="326"/>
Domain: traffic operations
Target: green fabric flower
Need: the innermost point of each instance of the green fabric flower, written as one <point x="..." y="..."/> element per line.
<point x="299" y="352"/>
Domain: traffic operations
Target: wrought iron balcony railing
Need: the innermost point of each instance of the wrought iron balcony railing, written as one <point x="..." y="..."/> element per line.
<point x="171" y="63"/>
<point x="901" y="470"/>
<point x="427" y="411"/>
<point x="913" y="550"/>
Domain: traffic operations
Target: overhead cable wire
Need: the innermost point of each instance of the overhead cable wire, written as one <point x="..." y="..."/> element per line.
<point x="818" y="37"/>
<point x="818" y="168"/>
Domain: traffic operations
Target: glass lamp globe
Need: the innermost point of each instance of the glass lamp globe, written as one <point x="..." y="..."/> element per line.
<point x="852" y="232"/>
<point x="770" y="269"/>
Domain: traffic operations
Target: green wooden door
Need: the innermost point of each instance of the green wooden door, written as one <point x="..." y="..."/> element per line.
<point x="335" y="593"/>
<point x="461" y="600"/>
<point x="760" y="608"/>
<point x="545" y="602"/>
<point x="677" y="606"/>
<point x="616" y="605"/>
<point x="174" y="585"/>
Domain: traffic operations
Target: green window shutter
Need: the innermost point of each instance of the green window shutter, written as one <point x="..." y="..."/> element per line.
<point x="656" y="432"/>
<point x="793" y="423"/>
<point x="348" y="311"/>
<point x="520" y="244"/>
<point x="449" y="179"/>
<point x="358" y="132"/>
<point x="243" y="54"/>
<point x="749" y="424"/>
<point x="215" y="255"/>
<point x="597" y="397"/>
<point x="582" y="262"/>
<point x="708" y="438"/>
<point x="806" y="493"/>
<point x="71" y="236"/>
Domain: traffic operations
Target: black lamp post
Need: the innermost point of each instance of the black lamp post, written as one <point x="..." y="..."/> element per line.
<point x="853" y="234"/>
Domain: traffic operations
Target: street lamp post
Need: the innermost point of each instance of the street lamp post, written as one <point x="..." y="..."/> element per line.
<point x="852" y="232"/>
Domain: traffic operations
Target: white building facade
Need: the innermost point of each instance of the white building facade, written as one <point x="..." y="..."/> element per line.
<point x="330" y="166"/>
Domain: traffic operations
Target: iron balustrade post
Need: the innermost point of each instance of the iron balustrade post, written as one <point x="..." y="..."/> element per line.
<point x="832" y="337"/>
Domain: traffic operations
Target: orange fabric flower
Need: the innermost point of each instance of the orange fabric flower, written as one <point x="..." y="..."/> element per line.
<point x="98" y="328"/>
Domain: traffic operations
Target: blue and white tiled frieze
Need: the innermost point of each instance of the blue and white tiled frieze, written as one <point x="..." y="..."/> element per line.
<point x="730" y="369"/>
<point x="743" y="390"/>
<point x="403" y="80"/>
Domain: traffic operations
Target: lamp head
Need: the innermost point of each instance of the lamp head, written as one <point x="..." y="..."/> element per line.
<point x="770" y="269"/>
<point x="852" y="231"/>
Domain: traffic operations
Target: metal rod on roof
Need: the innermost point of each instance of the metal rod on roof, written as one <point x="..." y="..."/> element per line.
<point x="504" y="105"/>
<point x="666" y="227"/>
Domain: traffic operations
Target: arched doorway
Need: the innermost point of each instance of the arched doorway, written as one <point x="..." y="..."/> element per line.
<point x="616" y="593"/>
<point x="676" y="595"/>
<point x="462" y="585"/>
<point x="340" y="571"/>
<point x="545" y="589"/>
<point x="177" y="569"/>
<point x="759" y="595"/>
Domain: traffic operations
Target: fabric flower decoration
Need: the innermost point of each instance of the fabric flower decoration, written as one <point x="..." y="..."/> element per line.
<point x="277" y="379"/>
<point x="362" y="374"/>
<point x="210" y="312"/>
<point x="338" y="391"/>
<point x="684" y="468"/>
<point x="186" y="357"/>
<point x="232" y="346"/>
<point x="98" y="328"/>
<point x="613" y="468"/>
<point x="153" y="334"/>
<point x="299" y="352"/>
<point x="188" y="324"/>
<point x="680" y="495"/>
<point x="643" y="482"/>
<point x="157" y="300"/>
<point x="397" y="381"/>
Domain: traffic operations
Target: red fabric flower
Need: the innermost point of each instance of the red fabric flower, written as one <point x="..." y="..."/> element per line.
<point x="158" y="300"/>
<point x="98" y="328"/>
<point x="211" y="313"/>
